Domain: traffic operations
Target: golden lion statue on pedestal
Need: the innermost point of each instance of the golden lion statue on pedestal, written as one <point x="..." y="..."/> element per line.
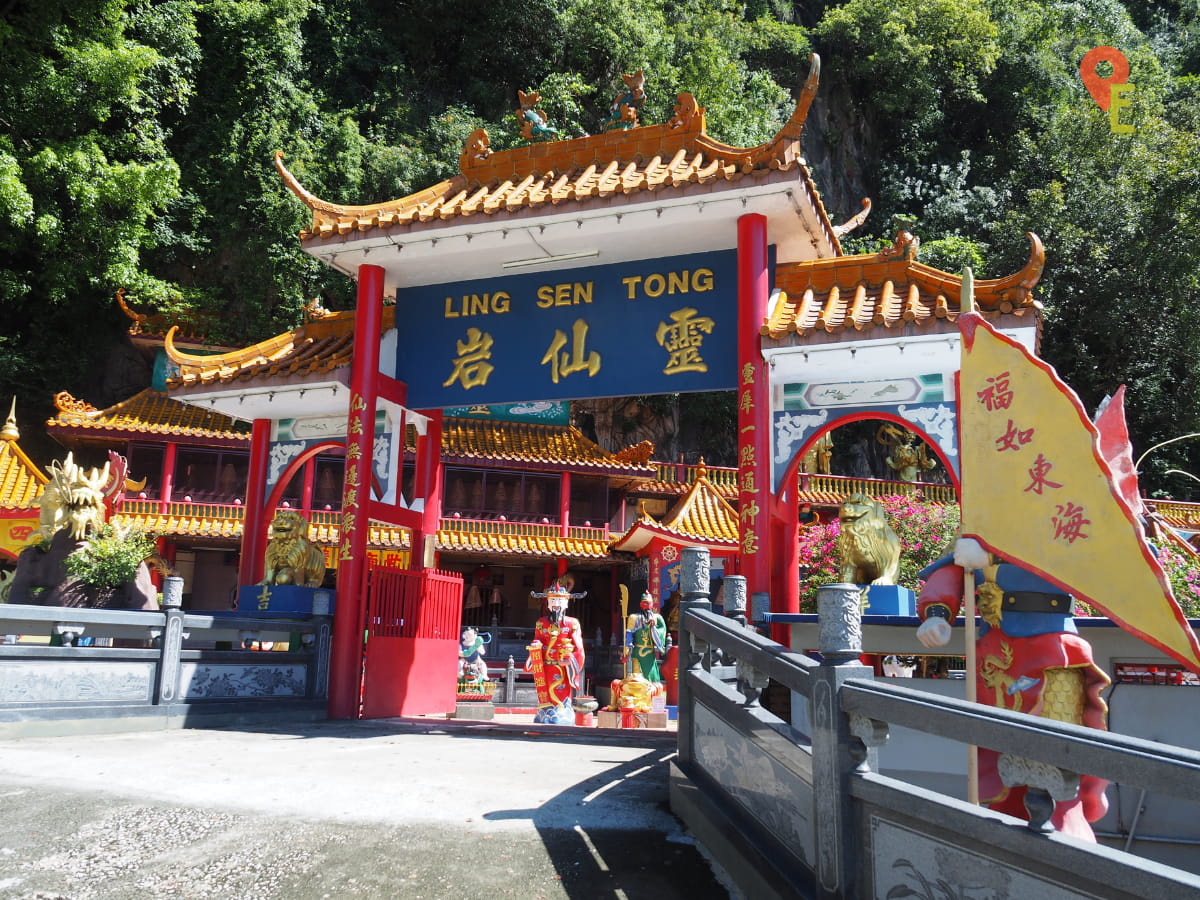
<point x="867" y="547"/>
<point x="291" y="558"/>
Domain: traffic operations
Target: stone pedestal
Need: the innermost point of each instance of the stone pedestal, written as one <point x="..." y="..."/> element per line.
<point x="473" y="709"/>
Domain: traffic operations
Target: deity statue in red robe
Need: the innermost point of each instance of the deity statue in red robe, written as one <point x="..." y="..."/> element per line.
<point x="1030" y="659"/>
<point x="556" y="657"/>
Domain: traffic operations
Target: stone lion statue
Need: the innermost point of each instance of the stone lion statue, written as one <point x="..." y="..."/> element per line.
<point x="291" y="558"/>
<point x="868" y="549"/>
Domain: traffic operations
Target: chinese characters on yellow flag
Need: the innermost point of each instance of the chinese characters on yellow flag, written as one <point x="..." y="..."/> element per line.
<point x="1036" y="490"/>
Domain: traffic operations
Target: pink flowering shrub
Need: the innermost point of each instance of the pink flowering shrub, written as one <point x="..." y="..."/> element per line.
<point x="1184" y="574"/>
<point x="925" y="530"/>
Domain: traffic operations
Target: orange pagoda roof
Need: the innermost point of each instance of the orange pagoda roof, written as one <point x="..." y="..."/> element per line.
<point x="559" y="199"/>
<point x="676" y="156"/>
<point x="702" y="517"/>
<point x="149" y="412"/>
<point x="21" y="482"/>
<point x="877" y="294"/>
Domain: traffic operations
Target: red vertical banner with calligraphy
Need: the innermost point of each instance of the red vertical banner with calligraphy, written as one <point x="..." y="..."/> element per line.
<point x="754" y="407"/>
<point x="1037" y="490"/>
<point x="345" y="670"/>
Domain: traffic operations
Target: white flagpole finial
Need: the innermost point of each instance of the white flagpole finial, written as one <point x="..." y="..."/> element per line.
<point x="966" y="301"/>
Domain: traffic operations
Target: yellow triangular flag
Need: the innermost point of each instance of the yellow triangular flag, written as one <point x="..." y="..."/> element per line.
<point x="1037" y="491"/>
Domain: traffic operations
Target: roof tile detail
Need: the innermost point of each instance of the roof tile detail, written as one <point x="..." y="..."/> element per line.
<point x="522" y="545"/>
<point x="527" y="442"/>
<point x="21" y="482"/>
<point x="890" y="289"/>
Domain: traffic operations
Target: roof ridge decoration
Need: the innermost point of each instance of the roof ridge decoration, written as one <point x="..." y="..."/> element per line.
<point x="68" y="405"/>
<point x="890" y="289"/>
<point x="556" y="171"/>
<point x="703" y="511"/>
<point x="637" y="454"/>
<point x="192" y="325"/>
<point x="623" y="113"/>
<point x="10" y="432"/>
<point x="265" y="351"/>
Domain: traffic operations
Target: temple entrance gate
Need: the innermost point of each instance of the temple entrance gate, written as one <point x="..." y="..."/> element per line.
<point x="411" y="642"/>
<point x="648" y="259"/>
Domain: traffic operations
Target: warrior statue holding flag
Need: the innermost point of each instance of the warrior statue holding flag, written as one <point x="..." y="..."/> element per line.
<point x="1050" y="510"/>
<point x="1030" y="659"/>
<point x="556" y="657"/>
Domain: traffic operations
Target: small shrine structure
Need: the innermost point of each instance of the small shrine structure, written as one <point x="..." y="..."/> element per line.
<point x="700" y="518"/>
<point x="21" y="483"/>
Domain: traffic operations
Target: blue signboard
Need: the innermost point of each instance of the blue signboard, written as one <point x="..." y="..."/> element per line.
<point x="646" y="327"/>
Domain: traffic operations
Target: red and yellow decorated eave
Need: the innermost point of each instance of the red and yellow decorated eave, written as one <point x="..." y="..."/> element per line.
<point x="677" y="158"/>
<point x="889" y="290"/>
<point x="702" y="517"/>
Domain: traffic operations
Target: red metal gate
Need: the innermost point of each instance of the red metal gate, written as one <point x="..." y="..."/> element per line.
<point x="411" y="666"/>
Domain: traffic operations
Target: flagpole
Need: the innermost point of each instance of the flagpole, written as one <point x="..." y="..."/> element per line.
<point x="966" y="305"/>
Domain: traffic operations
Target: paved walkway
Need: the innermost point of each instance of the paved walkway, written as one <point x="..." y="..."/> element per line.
<point x="417" y="808"/>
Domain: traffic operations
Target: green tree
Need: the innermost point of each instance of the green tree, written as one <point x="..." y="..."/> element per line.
<point x="84" y="177"/>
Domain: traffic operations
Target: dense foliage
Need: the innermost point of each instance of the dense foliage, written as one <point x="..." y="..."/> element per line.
<point x="136" y="142"/>
<point x="111" y="558"/>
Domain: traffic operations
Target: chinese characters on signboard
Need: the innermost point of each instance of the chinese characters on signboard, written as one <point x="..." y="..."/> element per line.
<point x="646" y="327"/>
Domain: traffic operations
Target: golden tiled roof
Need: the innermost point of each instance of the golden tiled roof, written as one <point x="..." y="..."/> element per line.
<point x="702" y="516"/>
<point x="147" y="412"/>
<point x="319" y="346"/>
<point x="189" y="520"/>
<point x="525" y="443"/>
<point x="542" y="546"/>
<point x="21" y="482"/>
<point x="678" y="157"/>
<point x="888" y="290"/>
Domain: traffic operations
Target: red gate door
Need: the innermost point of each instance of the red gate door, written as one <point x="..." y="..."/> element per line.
<point x="411" y="666"/>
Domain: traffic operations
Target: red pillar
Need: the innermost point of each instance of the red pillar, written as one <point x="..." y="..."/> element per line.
<point x="168" y="478"/>
<point x="306" y="492"/>
<point x="754" y="407"/>
<point x="255" y="517"/>
<point x="345" y="668"/>
<point x="785" y="544"/>
<point x="564" y="504"/>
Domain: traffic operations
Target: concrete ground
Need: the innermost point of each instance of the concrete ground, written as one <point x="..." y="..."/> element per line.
<point x="419" y="808"/>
